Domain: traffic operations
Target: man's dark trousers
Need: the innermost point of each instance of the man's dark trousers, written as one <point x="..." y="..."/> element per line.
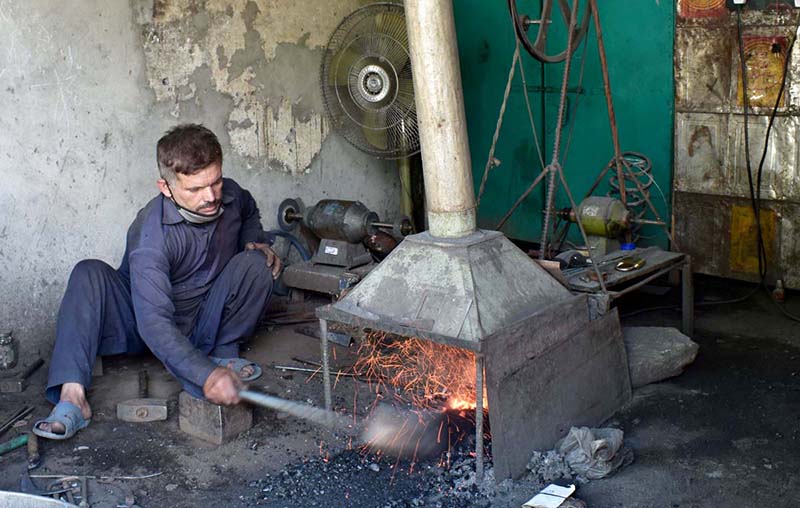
<point x="96" y="318"/>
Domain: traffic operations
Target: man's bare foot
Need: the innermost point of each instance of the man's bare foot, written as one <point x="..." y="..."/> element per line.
<point x="76" y="394"/>
<point x="245" y="372"/>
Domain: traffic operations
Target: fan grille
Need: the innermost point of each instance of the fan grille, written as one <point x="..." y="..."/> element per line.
<point x="367" y="85"/>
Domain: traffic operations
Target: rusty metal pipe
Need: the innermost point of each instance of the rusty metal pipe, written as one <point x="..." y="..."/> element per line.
<point x="447" y="168"/>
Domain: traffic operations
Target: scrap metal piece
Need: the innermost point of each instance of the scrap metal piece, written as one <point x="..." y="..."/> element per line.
<point x="142" y="410"/>
<point x="630" y="264"/>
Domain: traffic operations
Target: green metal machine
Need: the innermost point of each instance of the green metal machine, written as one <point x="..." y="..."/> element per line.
<point x="638" y="40"/>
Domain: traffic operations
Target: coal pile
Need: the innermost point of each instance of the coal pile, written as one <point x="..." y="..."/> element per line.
<point x="352" y="479"/>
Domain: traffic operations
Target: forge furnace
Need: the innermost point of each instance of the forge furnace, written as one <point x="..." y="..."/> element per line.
<point x="546" y="365"/>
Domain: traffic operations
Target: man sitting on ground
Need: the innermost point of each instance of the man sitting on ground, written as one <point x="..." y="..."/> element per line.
<point x="194" y="281"/>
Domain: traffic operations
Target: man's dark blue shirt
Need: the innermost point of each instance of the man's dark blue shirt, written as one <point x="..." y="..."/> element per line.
<point x="170" y="264"/>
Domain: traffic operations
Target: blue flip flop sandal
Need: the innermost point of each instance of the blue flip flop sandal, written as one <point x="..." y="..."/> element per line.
<point x="67" y="414"/>
<point x="237" y="364"/>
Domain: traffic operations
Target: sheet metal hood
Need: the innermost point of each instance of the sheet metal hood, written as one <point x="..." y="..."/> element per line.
<point x="456" y="291"/>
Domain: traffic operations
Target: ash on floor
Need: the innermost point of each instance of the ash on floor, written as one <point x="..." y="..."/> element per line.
<point x="351" y="479"/>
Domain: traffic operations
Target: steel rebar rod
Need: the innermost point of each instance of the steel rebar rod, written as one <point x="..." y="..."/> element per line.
<point x="302" y="410"/>
<point x="306" y="369"/>
<point x="326" y="371"/>
<point x="554" y="166"/>
<point x="18" y="415"/>
<point x="612" y="117"/>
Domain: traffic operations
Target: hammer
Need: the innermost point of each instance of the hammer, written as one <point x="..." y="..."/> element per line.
<point x="19" y="383"/>
<point x="143" y="409"/>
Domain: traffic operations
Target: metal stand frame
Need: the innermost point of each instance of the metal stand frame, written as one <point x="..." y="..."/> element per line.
<point x="605" y="299"/>
<point x="479" y="366"/>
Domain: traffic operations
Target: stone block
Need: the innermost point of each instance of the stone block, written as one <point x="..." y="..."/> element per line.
<point x="656" y="353"/>
<point x="211" y="422"/>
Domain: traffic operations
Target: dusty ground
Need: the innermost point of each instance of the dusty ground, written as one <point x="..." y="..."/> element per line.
<point x="726" y="433"/>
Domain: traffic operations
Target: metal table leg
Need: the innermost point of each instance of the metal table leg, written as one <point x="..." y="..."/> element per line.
<point x="326" y="378"/>
<point x="687" y="293"/>
<point x="479" y="417"/>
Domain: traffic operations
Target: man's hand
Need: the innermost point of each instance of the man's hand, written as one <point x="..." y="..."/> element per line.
<point x="222" y="387"/>
<point x="273" y="260"/>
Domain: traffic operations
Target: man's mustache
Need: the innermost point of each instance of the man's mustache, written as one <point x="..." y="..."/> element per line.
<point x="209" y="204"/>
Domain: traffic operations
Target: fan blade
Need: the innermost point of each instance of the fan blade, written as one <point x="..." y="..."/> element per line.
<point x="378" y="139"/>
<point x="393" y="25"/>
<point x="374" y="129"/>
<point x="341" y="63"/>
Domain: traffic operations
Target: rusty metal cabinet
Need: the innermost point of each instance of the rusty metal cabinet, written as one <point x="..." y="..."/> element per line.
<point x="712" y="211"/>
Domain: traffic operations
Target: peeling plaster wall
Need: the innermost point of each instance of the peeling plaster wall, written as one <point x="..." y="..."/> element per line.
<point x="87" y="90"/>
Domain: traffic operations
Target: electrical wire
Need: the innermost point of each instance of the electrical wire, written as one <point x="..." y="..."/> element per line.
<point x="754" y="190"/>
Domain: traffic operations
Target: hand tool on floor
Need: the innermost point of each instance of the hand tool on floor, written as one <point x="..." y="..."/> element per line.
<point x="13" y="444"/>
<point x="34" y="457"/>
<point x="17" y="416"/>
<point x="142" y="409"/>
<point x="18" y="384"/>
<point x="84" y="492"/>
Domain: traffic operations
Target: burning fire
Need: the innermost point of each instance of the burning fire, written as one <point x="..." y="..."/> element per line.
<point x="427" y="374"/>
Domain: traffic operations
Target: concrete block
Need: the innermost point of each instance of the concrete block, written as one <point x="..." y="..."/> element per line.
<point x="656" y="353"/>
<point x="211" y="422"/>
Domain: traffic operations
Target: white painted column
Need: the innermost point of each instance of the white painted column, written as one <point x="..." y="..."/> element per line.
<point x="447" y="168"/>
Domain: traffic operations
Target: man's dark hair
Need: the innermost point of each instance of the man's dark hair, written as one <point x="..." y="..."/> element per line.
<point x="187" y="149"/>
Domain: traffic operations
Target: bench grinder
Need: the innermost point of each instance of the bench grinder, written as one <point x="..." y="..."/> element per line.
<point x="342" y="226"/>
<point x="606" y="222"/>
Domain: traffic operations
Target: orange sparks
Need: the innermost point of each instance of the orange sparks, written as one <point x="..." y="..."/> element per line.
<point x="429" y="375"/>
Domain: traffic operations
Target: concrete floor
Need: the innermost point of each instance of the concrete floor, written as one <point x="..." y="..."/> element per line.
<point x="725" y="433"/>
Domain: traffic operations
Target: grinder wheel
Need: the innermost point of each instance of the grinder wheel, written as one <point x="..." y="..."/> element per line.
<point x="286" y="209"/>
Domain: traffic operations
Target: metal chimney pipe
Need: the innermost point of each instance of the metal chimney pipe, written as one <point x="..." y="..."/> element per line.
<point x="447" y="168"/>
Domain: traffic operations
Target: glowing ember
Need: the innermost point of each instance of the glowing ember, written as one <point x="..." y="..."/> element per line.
<point x="427" y="374"/>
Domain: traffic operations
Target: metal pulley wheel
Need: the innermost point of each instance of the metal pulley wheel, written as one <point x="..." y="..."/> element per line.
<point x="537" y="48"/>
<point x="290" y="214"/>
